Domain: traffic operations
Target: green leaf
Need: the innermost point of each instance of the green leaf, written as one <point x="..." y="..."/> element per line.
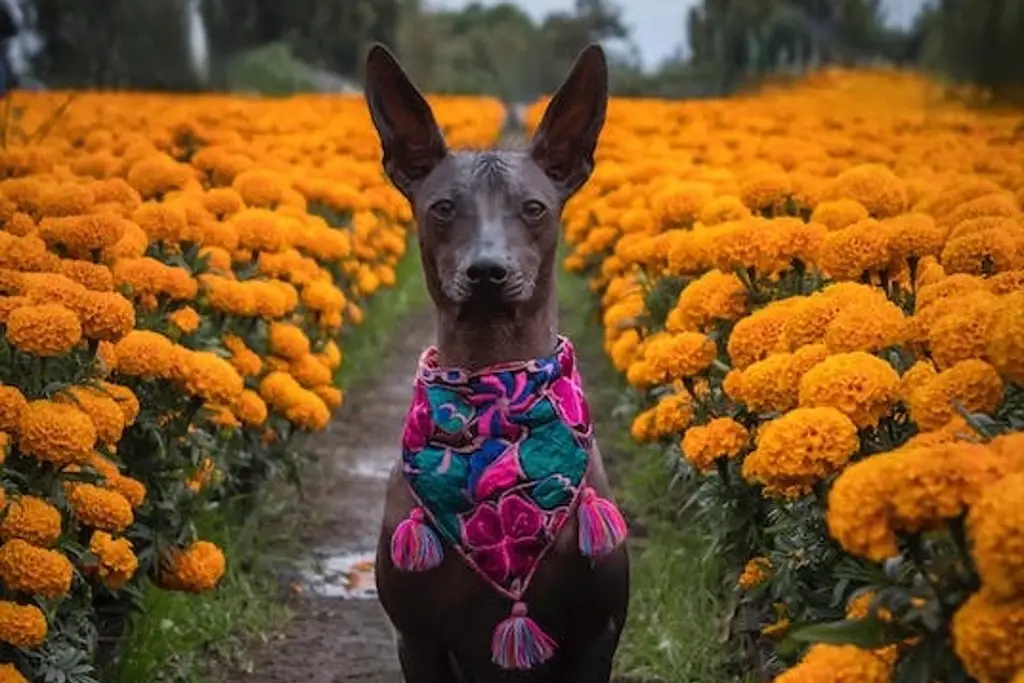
<point x="865" y="633"/>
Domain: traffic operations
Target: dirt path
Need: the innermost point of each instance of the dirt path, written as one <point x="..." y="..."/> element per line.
<point x="339" y="633"/>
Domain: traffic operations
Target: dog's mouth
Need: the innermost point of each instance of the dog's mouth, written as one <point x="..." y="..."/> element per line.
<point x="489" y="302"/>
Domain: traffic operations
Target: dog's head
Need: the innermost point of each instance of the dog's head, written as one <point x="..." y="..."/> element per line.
<point x="488" y="222"/>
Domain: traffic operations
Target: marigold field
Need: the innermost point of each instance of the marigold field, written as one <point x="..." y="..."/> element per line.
<point x="177" y="278"/>
<point x="816" y="294"/>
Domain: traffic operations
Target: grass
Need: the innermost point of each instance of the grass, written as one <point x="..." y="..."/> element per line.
<point x="177" y="636"/>
<point x="677" y="605"/>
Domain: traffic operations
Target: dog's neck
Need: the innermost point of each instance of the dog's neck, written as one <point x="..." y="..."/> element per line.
<point x="473" y="345"/>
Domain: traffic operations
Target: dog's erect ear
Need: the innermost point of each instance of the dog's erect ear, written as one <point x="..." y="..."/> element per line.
<point x="410" y="138"/>
<point x="566" y="138"/>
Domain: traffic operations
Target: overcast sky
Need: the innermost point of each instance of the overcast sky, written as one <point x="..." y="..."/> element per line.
<point x="658" y="25"/>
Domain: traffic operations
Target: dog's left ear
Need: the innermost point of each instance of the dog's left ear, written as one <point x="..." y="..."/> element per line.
<point x="566" y="138"/>
<point x="410" y="138"/>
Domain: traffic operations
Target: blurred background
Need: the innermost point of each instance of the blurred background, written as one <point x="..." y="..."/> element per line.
<point x="512" y="50"/>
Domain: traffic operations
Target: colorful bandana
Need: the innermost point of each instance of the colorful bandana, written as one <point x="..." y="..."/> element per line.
<point x="497" y="461"/>
<point x="496" y="458"/>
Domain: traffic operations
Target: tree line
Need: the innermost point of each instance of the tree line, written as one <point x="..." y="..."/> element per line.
<point x="499" y="49"/>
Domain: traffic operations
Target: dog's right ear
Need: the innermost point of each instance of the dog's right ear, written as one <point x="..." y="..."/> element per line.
<point x="411" y="141"/>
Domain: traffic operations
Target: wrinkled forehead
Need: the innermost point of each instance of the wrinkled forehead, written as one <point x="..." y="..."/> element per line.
<point x="488" y="176"/>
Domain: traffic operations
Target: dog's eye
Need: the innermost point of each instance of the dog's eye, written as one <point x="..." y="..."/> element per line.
<point x="533" y="210"/>
<point x="443" y="210"/>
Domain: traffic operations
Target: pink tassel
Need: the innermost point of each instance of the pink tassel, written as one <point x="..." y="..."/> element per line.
<point x="519" y="643"/>
<point x="414" y="545"/>
<point x="601" y="526"/>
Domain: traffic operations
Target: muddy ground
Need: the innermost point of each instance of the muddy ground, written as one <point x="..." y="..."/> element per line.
<point x="335" y="636"/>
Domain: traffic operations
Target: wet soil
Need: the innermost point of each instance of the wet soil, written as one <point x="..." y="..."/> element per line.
<point x="339" y="633"/>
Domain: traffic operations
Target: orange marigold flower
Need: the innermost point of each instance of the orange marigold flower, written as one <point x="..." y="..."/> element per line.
<point x="104" y="412"/>
<point x="675" y="356"/>
<point x="309" y="371"/>
<point x="56" y="433"/>
<point x="801" y="448"/>
<point x="211" y="378"/>
<point x="723" y="437"/>
<point x="245" y="361"/>
<point x="99" y="508"/>
<point x="185" y="319"/>
<point x="83" y="235"/>
<point x="45" y="330"/>
<point x="996" y="530"/>
<point x="105" y="316"/>
<point x="88" y="274"/>
<point x="31" y="519"/>
<point x="848" y="253"/>
<point x="755" y="572"/>
<point x="862" y="386"/>
<point x="115" y="558"/>
<point x="23" y="626"/>
<point x="1005" y="344"/>
<point x="987" y="637"/>
<point x="962" y="333"/>
<point x="839" y="213"/>
<point x="874" y="186"/>
<point x="250" y="408"/>
<point x="145" y="354"/>
<point x="288" y="341"/>
<point x="36" y="571"/>
<point x="125" y="399"/>
<point x="195" y="569"/>
<point x="672" y="414"/>
<point x="12" y="406"/>
<point x="10" y="674"/>
<point x="840" y="664"/>
<point x="975" y="384"/>
<point x="981" y="253"/>
<point x="156" y="175"/>
<point x="759" y="334"/>
<point x="331" y="396"/>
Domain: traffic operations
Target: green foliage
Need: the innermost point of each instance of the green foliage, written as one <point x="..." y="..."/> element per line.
<point x="271" y="69"/>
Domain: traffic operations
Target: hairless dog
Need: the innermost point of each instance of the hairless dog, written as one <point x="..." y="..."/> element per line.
<point x="501" y="555"/>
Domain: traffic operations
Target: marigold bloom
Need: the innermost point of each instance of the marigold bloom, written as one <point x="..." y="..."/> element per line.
<point x="974" y="383"/>
<point x="195" y="569"/>
<point x="996" y="528"/>
<point x="12" y="405"/>
<point x="22" y="626"/>
<point x="211" y="378"/>
<point x="642" y="429"/>
<point x="840" y="664"/>
<point x="753" y="338"/>
<point x="874" y="186"/>
<point x="722" y="437"/>
<point x="839" y="213"/>
<point x="125" y="399"/>
<point x="331" y="396"/>
<point x="88" y="274"/>
<point x="245" y="361"/>
<point x="250" y="408"/>
<point x="987" y="637"/>
<point x="56" y="433"/>
<point x="675" y="356"/>
<point x="799" y="449"/>
<point x="1005" y="338"/>
<point x="10" y="674"/>
<point x="100" y="508"/>
<point x="185" y="319"/>
<point x="116" y="561"/>
<point x="105" y="413"/>
<point x="31" y="519"/>
<point x="981" y="253"/>
<point x="848" y="253"/>
<point x="861" y="386"/>
<point x="35" y="571"/>
<point x="45" y="330"/>
<point x="962" y="333"/>
<point x="145" y="354"/>
<point x="755" y="572"/>
<point x="672" y="414"/>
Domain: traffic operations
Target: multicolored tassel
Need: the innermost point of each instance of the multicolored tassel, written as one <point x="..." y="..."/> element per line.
<point x="601" y="526"/>
<point x="519" y="643"/>
<point x="414" y="545"/>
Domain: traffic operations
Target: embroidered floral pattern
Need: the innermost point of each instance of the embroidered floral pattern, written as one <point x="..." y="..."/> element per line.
<point x="497" y="458"/>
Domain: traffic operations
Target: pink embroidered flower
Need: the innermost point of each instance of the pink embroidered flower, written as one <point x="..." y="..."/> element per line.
<point x="569" y="402"/>
<point x="498" y="398"/>
<point x="418" y="422"/>
<point x="505" y="540"/>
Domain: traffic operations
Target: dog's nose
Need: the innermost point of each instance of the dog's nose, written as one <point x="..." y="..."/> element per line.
<point x="487" y="271"/>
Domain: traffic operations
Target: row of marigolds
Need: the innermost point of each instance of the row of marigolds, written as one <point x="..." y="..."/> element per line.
<point x="175" y="277"/>
<point x="818" y="296"/>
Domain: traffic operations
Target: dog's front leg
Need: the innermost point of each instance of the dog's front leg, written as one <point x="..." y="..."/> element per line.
<point x="424" y="661"/>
